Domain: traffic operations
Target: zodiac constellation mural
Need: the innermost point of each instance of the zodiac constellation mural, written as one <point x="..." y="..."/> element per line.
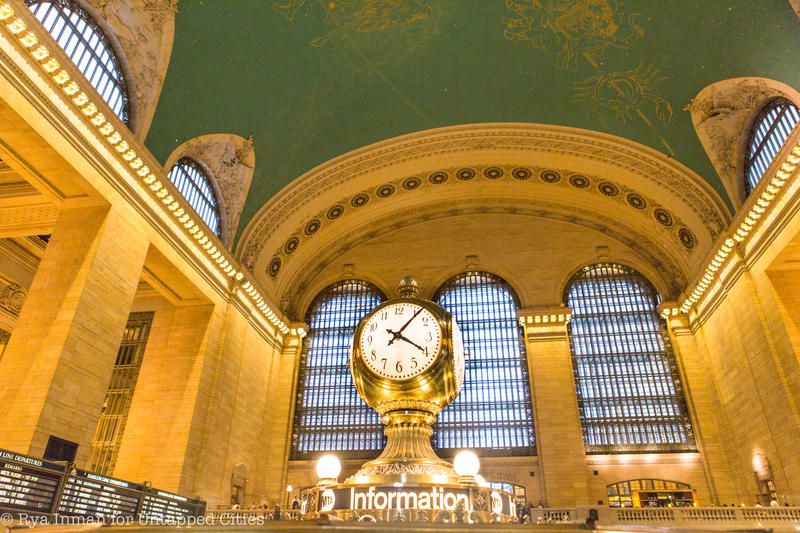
<point x="577" y="31"/>
<point x="625" y="94"/>
<point x="361" y="15"/>
<point x="571" y="29"/>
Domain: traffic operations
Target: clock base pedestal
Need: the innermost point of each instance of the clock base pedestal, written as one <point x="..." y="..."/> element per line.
<point x="408" y="456"/>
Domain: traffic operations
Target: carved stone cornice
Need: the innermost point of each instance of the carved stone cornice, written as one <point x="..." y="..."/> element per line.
<point x="545" y="323"/>
<point x="673" y="180"/>
<point x="303" y="271"/>
<point x="12" y="297"/>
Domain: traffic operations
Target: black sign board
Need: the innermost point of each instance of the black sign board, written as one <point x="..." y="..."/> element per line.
<point x="28" y="484"/>
<point x="88" y="494"/>
<point x="161" y="506"/>
<point x="31" y="485"/>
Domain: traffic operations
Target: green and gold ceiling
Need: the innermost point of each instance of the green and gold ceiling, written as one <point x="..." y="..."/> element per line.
<point x="313" y="79"/>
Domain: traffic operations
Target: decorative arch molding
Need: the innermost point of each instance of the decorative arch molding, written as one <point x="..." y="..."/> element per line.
<point x="230" y="161"/>
<point x="142" y="31"/>
<point x="304" y="277"/>
<point x="723" y="114"/>
<point x="599" y="156"/>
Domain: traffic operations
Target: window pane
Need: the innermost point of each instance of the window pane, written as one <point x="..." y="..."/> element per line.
<point x="89" y="49"/>
<point x="329" y="413"/>
<point x="110" y="426"/>
<point x="493" y="411"/>
<point x="193" y="183"/>
<point x="629" y="393"/>
<point x="771" y="129"/>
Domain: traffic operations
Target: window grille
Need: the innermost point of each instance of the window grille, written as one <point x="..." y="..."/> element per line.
<point x="770" y="130"/>
<point x="87" y="46"/>
<point x="629" y="392"/>
<point x="194" y="184"/>
<point x="110" y="426"/>
<point x="329" y="413"/>
<point x="493" y="412"/>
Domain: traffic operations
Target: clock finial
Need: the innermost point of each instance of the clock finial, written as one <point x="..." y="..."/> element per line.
<point x="408" y="287"/>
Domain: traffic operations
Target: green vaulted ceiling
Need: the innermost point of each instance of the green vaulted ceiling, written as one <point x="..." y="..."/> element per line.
<point x="313" y="79"/>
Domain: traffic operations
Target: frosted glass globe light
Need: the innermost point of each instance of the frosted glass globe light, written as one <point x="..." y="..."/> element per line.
<point x="466" y="463"/>
<point x="328" y="467"/>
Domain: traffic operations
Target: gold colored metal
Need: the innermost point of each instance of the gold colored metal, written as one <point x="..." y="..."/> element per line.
<point x="409" y="407"/>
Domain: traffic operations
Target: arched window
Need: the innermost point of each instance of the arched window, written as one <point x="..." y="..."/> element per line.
<point x="329" y="413"/>
<point x="87" y="46"/>
<point x="629" y="393"/>
<point x="493" y="411"/>
<point x="770" y="130"/>
<point x="194" y="184"/>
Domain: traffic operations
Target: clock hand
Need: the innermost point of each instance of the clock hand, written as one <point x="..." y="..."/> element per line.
<point x="421" y="349"/>
<point x="398" y="334"/>
<point x="409" y="320"/>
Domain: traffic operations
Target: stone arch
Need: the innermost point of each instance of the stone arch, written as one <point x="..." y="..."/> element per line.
<point x="230" y="162"/>
<point x="723" y="114"/>
<point x="142" y="32"/>
<point x="670" y="215"/>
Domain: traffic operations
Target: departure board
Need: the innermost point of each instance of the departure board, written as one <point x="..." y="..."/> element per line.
<point x="160" y="506"/>
<point x="28" y="484"/>
<point x="88" y="494"/>
<point x="31" y="485"/>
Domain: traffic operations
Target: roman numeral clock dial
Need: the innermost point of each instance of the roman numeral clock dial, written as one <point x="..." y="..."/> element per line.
<point x="400" y="341"/>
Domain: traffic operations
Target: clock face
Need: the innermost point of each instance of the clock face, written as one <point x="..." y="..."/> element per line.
<point x="400" y="341"/>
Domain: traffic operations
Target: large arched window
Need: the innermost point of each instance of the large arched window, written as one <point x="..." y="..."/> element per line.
<point x="329" y="413"/>
<point x="195" y="185"/>
<point x="87" y="46"/>
<point x="629" y="392"/>
<point x="770" y="130"/>
<point x="493" y="411"/>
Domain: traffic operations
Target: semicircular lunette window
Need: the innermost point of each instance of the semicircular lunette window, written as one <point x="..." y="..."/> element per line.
<point x="630" y="398"/>
<point x="770" y="130"/>
<point x="77" y="33"/>
<point x="195" y="185"/>
<point x="329" y="414"/>
<point x="493" y="412"/>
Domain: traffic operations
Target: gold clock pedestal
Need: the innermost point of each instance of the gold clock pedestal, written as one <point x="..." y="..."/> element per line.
<point x="407" y="362"/>
<point x="408" y="456"/>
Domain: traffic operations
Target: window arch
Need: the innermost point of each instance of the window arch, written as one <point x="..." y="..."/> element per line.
<point x="629" y="392"/>
<point x="770" y="130"/>
<point x="329" y="413"/>
<point x="195" y="185"/>
<point x="87" y="46"/>
<point x="493" y="412"/>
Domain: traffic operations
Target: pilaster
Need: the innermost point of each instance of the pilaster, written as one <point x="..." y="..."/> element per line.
<point x="283" y="387"/>
<point x="58" y="363"/>
<point x="559" y="442"/>
<point x="704" y="407"/>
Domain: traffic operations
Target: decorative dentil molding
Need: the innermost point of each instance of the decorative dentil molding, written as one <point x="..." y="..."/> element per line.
<point x="499" y="176"/>
<point x="676" y="181"/>
<point x="545" y="323"/>
<point x="305" y="271"/>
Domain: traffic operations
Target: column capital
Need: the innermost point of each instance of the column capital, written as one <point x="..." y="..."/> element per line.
<point x="678" y="322"/>
<point x="297" y="331"/>
<point x="543" y="323"/>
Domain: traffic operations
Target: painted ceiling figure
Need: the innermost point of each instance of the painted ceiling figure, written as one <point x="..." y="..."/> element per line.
<point x="626" y="94"/>
<point x="572" y="29"/>
<point x="362" y="15"/>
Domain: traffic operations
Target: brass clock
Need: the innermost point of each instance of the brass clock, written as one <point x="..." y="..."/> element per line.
<point x="408" y="349"/>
